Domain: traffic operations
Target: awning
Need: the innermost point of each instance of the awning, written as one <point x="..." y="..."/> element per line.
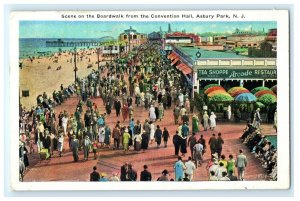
<point x="185" y="69"/>
<point x="172" y="56"/>
<point x="175" y="60"/>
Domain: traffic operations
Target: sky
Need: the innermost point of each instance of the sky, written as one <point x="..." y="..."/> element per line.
<point x="93" y="29"/>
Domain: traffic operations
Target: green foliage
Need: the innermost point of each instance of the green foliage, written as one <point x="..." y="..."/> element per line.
<point x="265" y="51"/>
<point x="198" y="101"/>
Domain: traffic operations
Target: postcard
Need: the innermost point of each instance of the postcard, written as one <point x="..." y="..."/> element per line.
<point x="149" y="100"/>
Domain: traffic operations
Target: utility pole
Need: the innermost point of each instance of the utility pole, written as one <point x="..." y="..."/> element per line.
<point x="75" y="62"/>
<point x="98" y="62"/>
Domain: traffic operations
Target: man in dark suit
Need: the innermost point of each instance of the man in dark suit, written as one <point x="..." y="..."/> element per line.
<point x="94" y="176"/>
<point x="176" y="142"/>
<point x="117" y="105"/>
<point x="146" y="175"/>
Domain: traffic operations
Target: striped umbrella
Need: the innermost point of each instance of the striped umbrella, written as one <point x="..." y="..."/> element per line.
<point x="233" y="89"/>
<point x="221" y="98"/>
<point x="257" y="89"/>
<point x="217" y="92"/>
<point x="267" y="99"/>
<point x="211" y="89"/>
<point x="236" y="93"/>
<point x="245" y="97"/>
<point x="274" y="89"/>
<point x="263" y="92"/>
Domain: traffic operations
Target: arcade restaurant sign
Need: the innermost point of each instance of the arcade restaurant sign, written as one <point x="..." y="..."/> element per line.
<point x="237" y="73"/>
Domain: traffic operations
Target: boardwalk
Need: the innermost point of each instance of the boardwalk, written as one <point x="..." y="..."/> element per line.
<point x="64" y="169"/>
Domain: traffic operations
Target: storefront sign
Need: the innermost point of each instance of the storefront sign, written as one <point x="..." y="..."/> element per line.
<point x="237" y="73"/>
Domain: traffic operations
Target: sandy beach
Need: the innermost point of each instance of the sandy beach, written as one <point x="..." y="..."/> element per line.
<point x="37" y="78"/>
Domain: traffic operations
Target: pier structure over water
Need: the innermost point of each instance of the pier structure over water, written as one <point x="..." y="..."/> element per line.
<point x="61" y="43"/>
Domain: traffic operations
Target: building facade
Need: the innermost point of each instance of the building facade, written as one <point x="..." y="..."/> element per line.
<point x="204" y="67"/>
<point x="132" y="38"/>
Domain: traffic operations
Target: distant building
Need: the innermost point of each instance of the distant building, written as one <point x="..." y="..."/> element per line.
<point x="132" y="37"/>
<point x="182" y="38"/>
<point x="220" y="40"/>
<point x="154" y="36"/>
<point x="272" y="38"/>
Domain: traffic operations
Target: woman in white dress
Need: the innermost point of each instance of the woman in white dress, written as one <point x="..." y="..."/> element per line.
<point x="65" y="120"/>
<point x="101" y="135"/>
<point x="152" y="131"/>
<point x="152" y="113"/>
<point x="212" y="120"/>
<point x="60" y="143"/>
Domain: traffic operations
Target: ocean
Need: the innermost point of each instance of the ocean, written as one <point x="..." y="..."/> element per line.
<point x="29" y="47"/>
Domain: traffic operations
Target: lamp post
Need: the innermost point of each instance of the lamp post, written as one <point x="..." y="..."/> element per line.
<point x="126" y="47"/>
<point x="110" y="48"/>
<point x="75" y="66"/>
<point x="98" y="53"/>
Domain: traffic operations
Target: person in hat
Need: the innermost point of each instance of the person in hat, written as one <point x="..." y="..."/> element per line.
<point x="145" y="174"/>
<point x="275" y="121"/>
<point x="60" y="142"/>
<point x="257" y="119"/>
<point x="160" y="111"/>
<point x="220" y="143"/>
<point x="214" y="167"/>
<point x="195" y="124"/>
<point x="126" y="137"/>
<point x="125" y="112"/>
<point x="47" y="141"/>
<point x="212" y="120"/>
<point x="187" y="105"/>
<point x="164" y="176"/>
<point x="74" y="147"/>
<point x="94" y="176"/>
<point x="152" y="114"/>
<point x="114" y="177"/>
<point x="192" y="142"/>
<point x="213" y="143"/>
<point x="179" y="169"/>
<point x="86" y="147"/>
<point x="241" y="163"/>
<point x="103" y="177"/>
<point x="205" y="120"/>
<point x="65" y="121"/>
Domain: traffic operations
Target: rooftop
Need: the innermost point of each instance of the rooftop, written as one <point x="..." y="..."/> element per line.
<point x="206" y="54"/>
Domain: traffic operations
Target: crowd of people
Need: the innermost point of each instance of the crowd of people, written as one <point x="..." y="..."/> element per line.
<point x="146" y="80"/>
<point x="263" y="149"/>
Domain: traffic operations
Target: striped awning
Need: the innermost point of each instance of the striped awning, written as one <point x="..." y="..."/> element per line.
<point x="185" y="69"/>
<point x="172" y="56"/>
<point x="175" y="60"/>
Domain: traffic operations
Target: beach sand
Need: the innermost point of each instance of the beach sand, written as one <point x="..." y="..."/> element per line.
<point x="37" y="78"/>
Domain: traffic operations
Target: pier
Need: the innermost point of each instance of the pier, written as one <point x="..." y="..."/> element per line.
<point x="61" y="43"/>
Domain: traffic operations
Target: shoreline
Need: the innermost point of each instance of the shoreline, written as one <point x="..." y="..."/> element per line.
<point x="38" y="77"/>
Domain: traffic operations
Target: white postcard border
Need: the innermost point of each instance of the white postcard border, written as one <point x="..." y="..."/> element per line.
<point x="283" y="182"/>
